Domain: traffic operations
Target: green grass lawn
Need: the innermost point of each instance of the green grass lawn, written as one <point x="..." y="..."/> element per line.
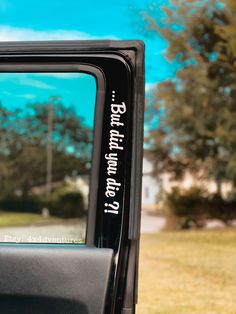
<point x="8" y="219"/>
<point x="188" y="273"/>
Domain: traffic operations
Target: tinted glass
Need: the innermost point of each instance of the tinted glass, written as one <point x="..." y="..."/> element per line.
<point x="46" y="135"/>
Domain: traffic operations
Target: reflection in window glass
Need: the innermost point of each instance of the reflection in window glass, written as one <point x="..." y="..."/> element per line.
<point x="46" y="129"/>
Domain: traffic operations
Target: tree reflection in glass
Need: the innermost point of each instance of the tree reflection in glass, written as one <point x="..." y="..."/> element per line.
<point x="46" y="130"/>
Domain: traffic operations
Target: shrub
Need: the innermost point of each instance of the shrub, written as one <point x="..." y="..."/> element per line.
<point x="191" y="207"/>
<point x="224" y="210"/>
<point x="63" y="203"/>
<point x="68" y="205"/>
<point x="30" y="204"/>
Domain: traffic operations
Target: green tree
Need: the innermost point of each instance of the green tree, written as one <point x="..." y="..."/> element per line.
<point x="197" y="108"/>
<point x="24" y="135"/>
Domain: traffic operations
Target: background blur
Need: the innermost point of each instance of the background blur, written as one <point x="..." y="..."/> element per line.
<point x="188" y="244"/>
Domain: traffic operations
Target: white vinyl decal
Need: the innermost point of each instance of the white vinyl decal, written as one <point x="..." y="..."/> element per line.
<point x="116" y="144"/>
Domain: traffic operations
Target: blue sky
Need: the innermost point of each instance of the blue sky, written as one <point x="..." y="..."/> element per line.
<point x="77" y="19"/>
<point x="76" y="90"/>
<point x="87" y="19"/>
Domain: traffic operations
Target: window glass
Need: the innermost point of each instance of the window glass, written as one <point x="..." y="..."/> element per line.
<point x="46" y="135"/>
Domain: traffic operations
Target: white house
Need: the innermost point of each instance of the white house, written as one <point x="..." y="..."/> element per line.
<point x="150" y="186"/>
<point x="155" y="188"/>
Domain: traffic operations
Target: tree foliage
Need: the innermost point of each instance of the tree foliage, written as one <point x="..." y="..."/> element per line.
<point x="197" y="108"/>
<point x="24" y="136"/>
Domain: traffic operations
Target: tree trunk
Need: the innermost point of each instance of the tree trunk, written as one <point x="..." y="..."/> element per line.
<point x="219" y="188"/>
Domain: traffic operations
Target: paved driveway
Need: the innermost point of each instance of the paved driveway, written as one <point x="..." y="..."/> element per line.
<point x="151" y="223"/>
<point x="73" y="232"/>
<point x="63" y="233"/>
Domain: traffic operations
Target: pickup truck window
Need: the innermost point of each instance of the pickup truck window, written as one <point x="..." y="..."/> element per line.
<point x="46" y="141"/>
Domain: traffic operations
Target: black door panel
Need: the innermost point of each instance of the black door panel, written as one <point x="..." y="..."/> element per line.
<point x="54" y="279"/>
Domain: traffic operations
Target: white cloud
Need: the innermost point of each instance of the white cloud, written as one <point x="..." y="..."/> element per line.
<point x="24" y="80"/>
<point x="26" y="96"/>
<point x="150" y="87"/>
<point x="62" y="75"/>
<point x="9" y="33"/>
